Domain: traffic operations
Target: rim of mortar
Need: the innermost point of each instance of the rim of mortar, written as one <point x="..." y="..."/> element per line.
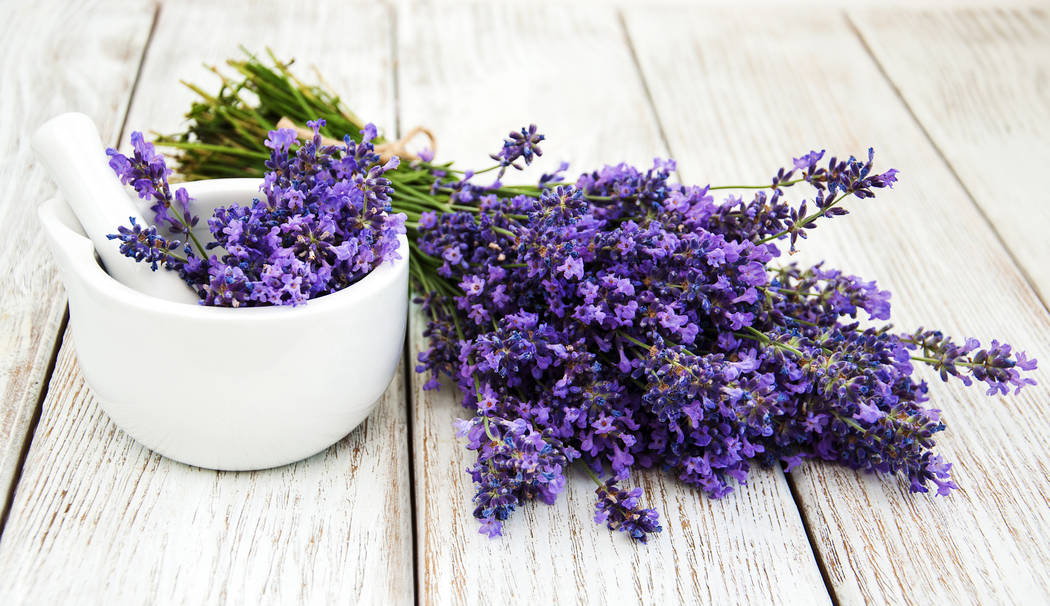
<point x="381" y="277"/>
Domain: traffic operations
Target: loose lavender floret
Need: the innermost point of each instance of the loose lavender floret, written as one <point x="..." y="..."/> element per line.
<point x="145" y="246"/>
<point x="523" y="145"/>
<point x="997" y="366"/>
<point x="146" y="171"/>
<point x="618" y="510"/>
<point x="627" y="322"/>
<point x="325" y="222"/>
<point x="515" y="463"/>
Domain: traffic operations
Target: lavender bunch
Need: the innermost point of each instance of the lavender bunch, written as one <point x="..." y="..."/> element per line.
<point x="325" y="222"/>
<point x="624" y="321"/>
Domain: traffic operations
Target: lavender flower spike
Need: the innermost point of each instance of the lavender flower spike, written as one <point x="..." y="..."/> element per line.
<point x="522" y="145"/>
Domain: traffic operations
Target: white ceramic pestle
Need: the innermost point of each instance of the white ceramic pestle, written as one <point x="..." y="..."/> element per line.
<point x="71" y="150"/>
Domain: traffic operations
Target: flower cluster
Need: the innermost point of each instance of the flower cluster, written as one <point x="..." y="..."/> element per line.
<point x="622" y="321"/>
<point x="147" y="246"/>
<point x="515" y="463"/>
<point x="146" y="171"/>
<point x="625" y="321"/>
<point x="618" y="509"/>
<point x="522" y="145"/>
<point x="326" y="221"/>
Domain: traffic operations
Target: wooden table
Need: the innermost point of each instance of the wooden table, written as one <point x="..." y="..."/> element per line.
<point x="957" y="99"/>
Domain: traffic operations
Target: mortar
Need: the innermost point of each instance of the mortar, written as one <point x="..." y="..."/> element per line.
<point x="223" y="388"/>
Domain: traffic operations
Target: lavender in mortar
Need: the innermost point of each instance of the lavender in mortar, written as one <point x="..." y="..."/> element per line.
<point x="623" y="321"/>
<point x="325" y="222"/>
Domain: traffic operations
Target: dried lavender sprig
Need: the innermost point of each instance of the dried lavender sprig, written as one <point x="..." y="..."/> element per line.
<point x="618" y="509"/>
<point x="147" y="172"/>
<point x="146" y="246"/>
<point x="997" y="365"/>
<point x="848" y="177"/>
<point x="515" y="463"/>
<point x="523" y="144"/>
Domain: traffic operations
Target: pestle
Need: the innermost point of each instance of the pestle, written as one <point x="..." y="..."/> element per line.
<point x="71" y="150"/>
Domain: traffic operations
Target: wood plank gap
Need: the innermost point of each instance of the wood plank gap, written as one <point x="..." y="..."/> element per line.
<point x="408" y="364"/>
<point x="951" y="167"/>
<point x="56" y="347"/>
<point x="395" y="71"/>
<point x="409" y="370"/>
<point x="34" y="421"/>
<point x="813" y="544"/>
<point x="135" y="84"/>
<point x="645" y="87"/>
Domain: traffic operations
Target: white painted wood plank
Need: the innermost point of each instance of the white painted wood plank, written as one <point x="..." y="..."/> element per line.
<point x="977" y="81"/>
<point x="740" y="96"/>
<point x="98" y="518"/>
<point x="472" y="73"/>
<point x="54" y="57"/>
<point x="745" y="4"/>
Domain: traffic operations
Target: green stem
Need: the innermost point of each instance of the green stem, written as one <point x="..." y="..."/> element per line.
<point x="755" y="335"/>
<point x="769" y="186"/>
<point x="590" y="472"/>
<point x="938" y="362"/>
<point x="193" y="145"/>
<point x="635" y="341"/>
<point x="485" y="418"/>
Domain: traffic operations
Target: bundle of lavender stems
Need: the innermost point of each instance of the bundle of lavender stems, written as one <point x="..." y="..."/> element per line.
<point x="621" y="321"/>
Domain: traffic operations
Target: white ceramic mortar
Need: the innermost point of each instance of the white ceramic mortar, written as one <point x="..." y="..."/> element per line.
<point x="224" y="388"/>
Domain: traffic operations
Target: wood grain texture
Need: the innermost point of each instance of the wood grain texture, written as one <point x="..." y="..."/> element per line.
<point x="737" y="94"/>
<point x="979" y="83"/>
<point x="100" y="518"/>
<point x="743" y="4"/>
<point x="472" y="73"/>
<point x="54" y="57"/>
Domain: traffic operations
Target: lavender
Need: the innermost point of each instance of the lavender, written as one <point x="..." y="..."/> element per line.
<point x="996" y="366"/>
<point x="618" y="510"/>
<point x="621" y="321"/>
<point x="146" y="246"/>
<point x="325" y="222"/>
<point x="146" y="171"/>
<point x="522" y="145"/>
<point x="624" y="322"/>
<point x="515" y="463"/>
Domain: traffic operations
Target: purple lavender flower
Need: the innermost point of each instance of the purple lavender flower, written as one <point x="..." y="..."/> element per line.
<point x="516" y="463"/>
<point x="809" y="160"/>
<point x="281" y="139"/>
<point x="631" y="322"/>
<point x="145" y="246"/>
<point x="618" y="509"/>
<point x="822" y="296"/>
<point x="997" y="366"/>
<point x="557" y="175"/>
<point x="325" y="222"/>
<point x="523" y="145"/>
<point x="147" y="172"/>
